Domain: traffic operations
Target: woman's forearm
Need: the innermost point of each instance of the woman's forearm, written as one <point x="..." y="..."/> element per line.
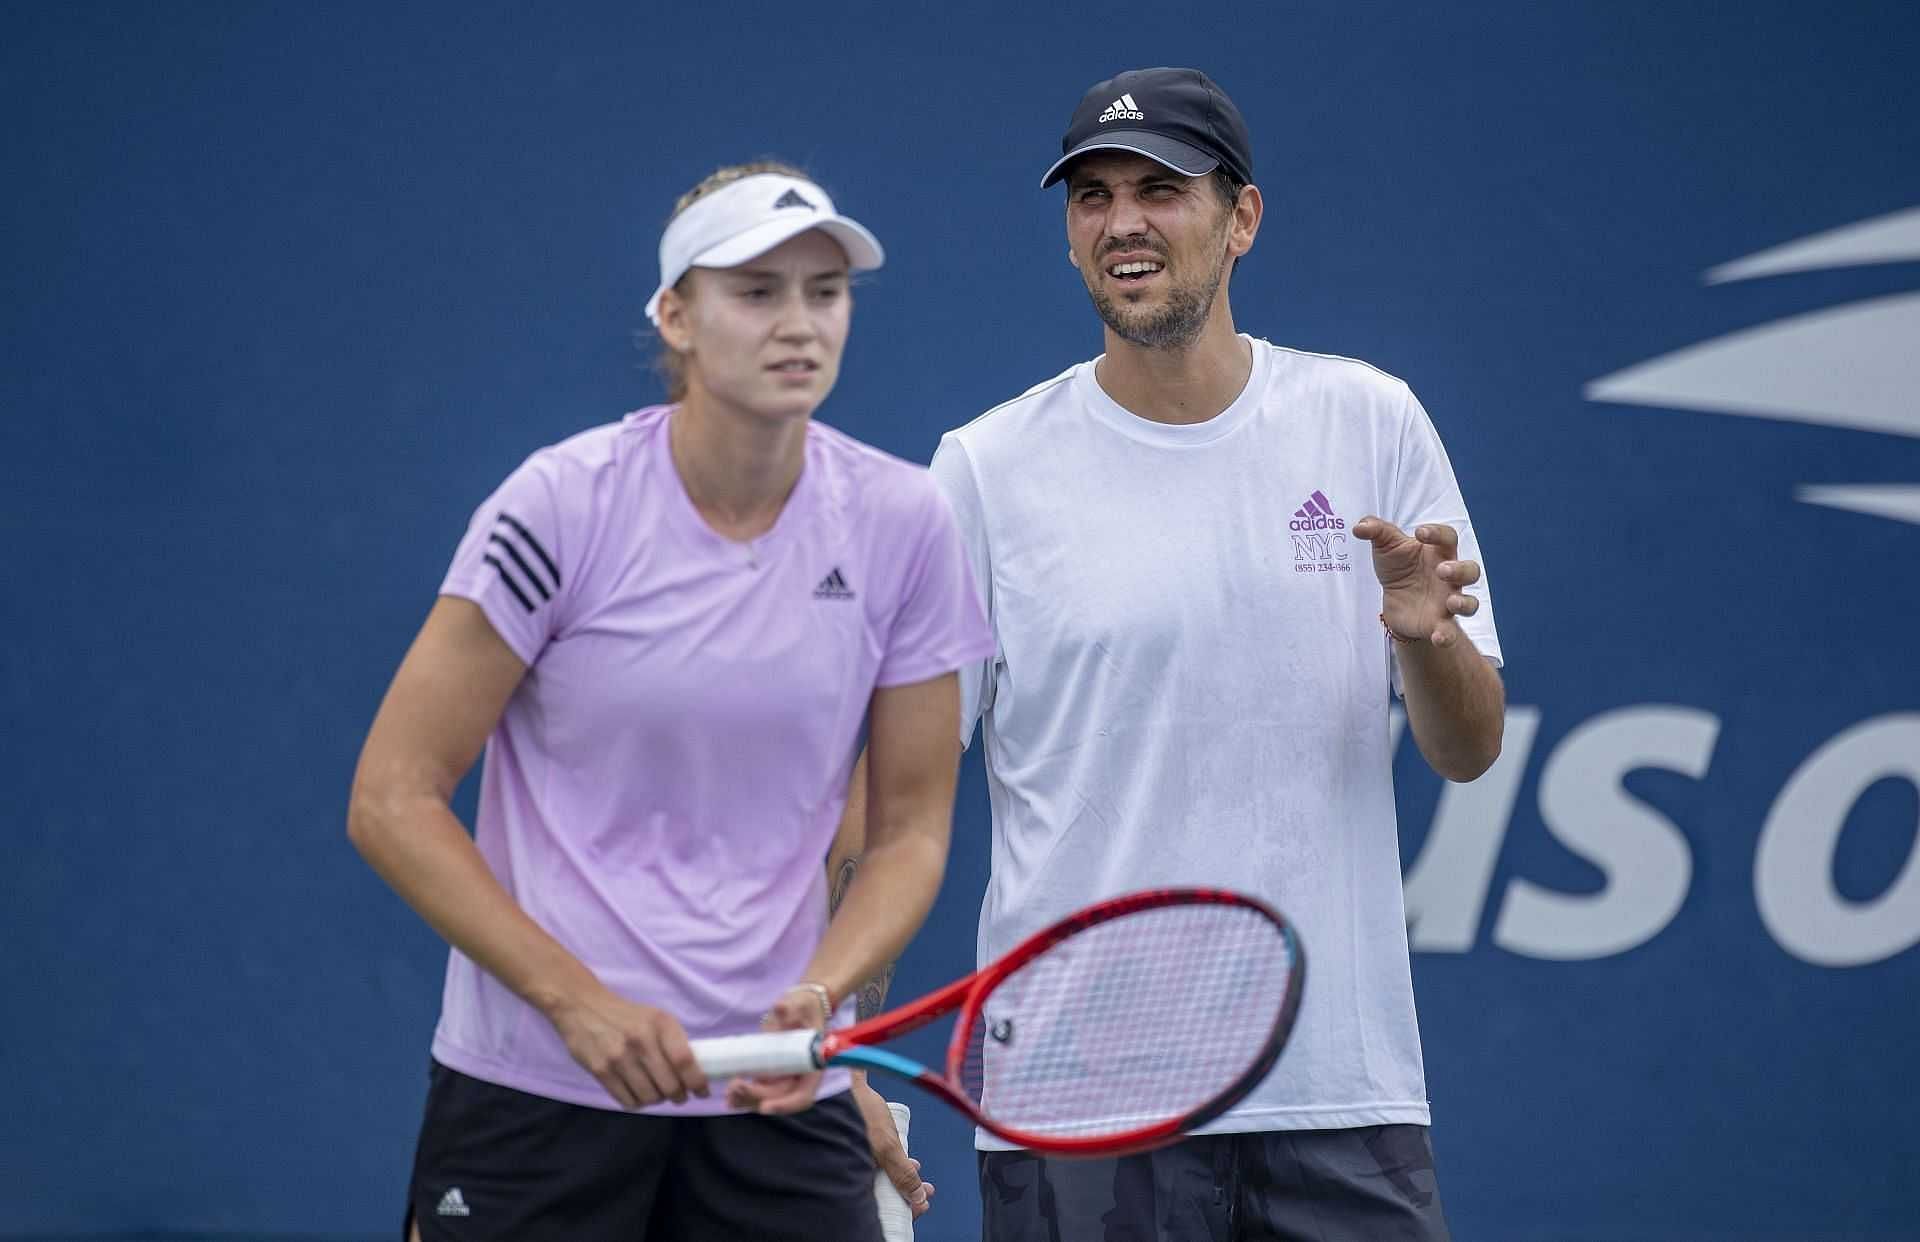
<point x="419" y="847"/>
<point x="884" y="904"/>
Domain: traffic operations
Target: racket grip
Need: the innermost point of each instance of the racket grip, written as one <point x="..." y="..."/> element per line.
<point x="896" y="1218"/>
<point x="772" y="1052"/>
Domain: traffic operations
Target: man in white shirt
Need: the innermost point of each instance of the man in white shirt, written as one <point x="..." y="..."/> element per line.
<point x="1209" y="563"/>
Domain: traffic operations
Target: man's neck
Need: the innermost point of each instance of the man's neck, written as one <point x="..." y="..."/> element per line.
<point x="1184" y="385"/>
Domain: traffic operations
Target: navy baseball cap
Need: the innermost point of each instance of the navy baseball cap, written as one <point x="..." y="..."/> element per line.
<point x="1178" y="117"/>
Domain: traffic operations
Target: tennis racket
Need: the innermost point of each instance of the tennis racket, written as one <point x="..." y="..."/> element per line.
<point x="1115" y="1030"/>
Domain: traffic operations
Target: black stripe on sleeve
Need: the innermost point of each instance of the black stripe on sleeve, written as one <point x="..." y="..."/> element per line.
<point x="525" y="568"/>
<point x="507" y="578"/>
<point x="533" y="543"/>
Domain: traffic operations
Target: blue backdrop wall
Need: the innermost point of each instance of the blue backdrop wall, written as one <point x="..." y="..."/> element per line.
<point x="288" y="288"/>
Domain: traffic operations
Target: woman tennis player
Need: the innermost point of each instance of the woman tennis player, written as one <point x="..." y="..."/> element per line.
<point x="668" y="633"/>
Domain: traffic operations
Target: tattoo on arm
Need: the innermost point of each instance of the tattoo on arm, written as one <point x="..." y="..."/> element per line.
<point x="837" y="884"/>
<point x="872" y="994"/>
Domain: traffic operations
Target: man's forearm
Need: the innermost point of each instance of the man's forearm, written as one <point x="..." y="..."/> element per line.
<point x="1456" y="706"/>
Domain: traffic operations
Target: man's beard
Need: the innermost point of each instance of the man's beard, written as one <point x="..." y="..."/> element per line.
<point x="1175" y="325"/>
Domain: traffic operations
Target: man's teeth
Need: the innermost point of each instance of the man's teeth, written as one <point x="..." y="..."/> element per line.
<point x="1133" y="269"/>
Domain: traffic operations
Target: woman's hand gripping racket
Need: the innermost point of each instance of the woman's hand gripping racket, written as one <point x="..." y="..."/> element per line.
<point x="1115" y="1030"/>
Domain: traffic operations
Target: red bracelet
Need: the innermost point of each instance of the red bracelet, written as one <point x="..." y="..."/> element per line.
<point x="1404" y="642"/>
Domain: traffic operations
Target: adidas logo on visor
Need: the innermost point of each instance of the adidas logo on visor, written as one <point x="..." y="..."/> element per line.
<point x="1122" y="109"/>
<point x="792" y="198"/>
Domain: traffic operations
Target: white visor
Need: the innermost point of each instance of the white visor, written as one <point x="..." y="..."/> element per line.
<point x="746" y="218"/>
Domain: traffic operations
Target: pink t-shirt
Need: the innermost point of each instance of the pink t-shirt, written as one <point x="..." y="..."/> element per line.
<point x="660" y="793"/>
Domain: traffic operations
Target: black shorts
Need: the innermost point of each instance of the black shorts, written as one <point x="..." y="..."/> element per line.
<point x="1372" y="1184"/>
<point x="495" y="1163"/>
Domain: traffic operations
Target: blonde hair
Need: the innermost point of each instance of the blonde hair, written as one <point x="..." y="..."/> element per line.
<point x="671" y="367"/>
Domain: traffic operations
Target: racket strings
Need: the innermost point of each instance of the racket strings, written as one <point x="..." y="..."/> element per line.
<point x="1129" y="1023"/>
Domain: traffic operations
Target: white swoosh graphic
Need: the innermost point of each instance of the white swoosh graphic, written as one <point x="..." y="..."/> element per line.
<point x="1855" y="366"/>
<point x="1885" y="239"/>
<point x="1898" y="501"/>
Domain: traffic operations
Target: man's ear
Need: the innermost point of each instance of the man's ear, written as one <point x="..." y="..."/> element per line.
<point x="1246" y="220"/>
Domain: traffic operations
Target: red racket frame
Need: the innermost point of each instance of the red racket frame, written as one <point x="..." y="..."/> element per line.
<point x="966" y="994"/>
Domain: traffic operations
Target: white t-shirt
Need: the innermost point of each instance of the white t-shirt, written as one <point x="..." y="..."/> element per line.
<point x="1191" y="684"/>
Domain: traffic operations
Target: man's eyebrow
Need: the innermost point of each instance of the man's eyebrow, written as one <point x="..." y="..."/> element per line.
<point x="1160" y="177"/>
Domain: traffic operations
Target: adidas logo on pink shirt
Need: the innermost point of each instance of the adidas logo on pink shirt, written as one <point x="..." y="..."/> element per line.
<point x="833" y="586"/>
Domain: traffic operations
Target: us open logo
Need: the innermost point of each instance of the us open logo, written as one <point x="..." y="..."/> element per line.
<point x="1851" y="367"/>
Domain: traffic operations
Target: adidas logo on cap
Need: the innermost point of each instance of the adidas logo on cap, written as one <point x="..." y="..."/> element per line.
<point x="1122" y="109"/>
<point x="793" y="198"/>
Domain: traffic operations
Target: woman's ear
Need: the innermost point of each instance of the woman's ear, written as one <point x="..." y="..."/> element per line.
<point x="674" y="327"/>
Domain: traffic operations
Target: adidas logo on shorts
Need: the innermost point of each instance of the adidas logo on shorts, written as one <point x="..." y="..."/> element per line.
<point x="453" y="1203"/>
